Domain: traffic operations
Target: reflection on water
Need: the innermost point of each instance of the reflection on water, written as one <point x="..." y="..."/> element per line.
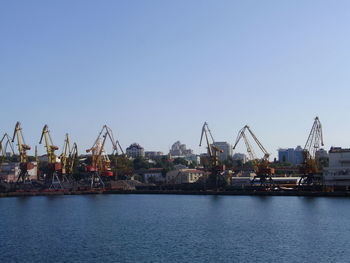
<point x="174" y="228"/>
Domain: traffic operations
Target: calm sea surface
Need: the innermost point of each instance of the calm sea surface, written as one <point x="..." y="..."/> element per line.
<point x="174" y="228"/>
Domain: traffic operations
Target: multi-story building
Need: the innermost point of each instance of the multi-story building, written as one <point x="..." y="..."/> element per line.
<point x="240" y="157"/>
<point x="180" y="150"/>
<point x="153" y="154"/>
<point x="226" y="149"/>
<point x="338" y="171"/>
<point x="291" y="155"/>
<point x="152" y="175"/>
<point x="135" y="150"/>
<point x="321" y="154"/>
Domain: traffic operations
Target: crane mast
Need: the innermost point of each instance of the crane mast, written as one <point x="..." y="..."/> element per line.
<point x="216" y="178"/>
<point x="101" y="164"/>
<point x="315" y="139"/>
<point x="72" y="158"/>
<point x="260" y="166"/>
<point x="68" y="157"/>
<point x="213" y="150"/>
<point x="22" y="146"/>
<point x="24" y="166"/>
<point x="50" y="148"/>
<point x="310" y="166"/>
<point x="65" y="154"/>
<point x="4" y="144"/>
<point x="53" y="166"/>
<point x="242" y="134"/>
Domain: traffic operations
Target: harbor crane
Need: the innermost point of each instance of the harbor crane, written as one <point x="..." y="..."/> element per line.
<point x="53" y="166"/>
<point x="72" y="159"/>
<point x="261" y="166"/>
<point x="5" y="143"/>
<point x="310" y="166"/>
<point x="64" y="155"/>
<point x="216" y="178"/>
<point x="101" y="164"/>
<point x="24" y="165"/>
<point x="68" y="156"/>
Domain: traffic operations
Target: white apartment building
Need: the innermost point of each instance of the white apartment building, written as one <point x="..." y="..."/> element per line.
<point x="338" y="172"/>
<point x="226" y="148"/>
<point x="135" y="150"/>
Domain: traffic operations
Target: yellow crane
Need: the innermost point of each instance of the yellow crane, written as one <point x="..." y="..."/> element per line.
<point x="309" y="169"/>
<point x="72" y="159"/>
<point x="68" y="156"/>
<point x="53" y="165"/>
<point x="216" y="178"/>
<point x="5" y="143"/>
<point x="24" y="165"/>
<point x="65" y="154"/>
<point x="100" y="164"/>
<point x="261" y="166"/>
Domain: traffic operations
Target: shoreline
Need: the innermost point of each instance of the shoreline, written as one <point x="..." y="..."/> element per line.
<point x="178" y="192"/>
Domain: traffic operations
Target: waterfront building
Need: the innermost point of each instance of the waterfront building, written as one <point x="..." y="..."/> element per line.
<point x="10" y="171"/>
<point x="240" y="157"/>
<point x="291" y="155"/>
<point x="135" y="150"/>
<point x="185" y="176"/>
<point x="152" y="175"/>
<point x="321" y="154"/>
<point x="338" y="171"/>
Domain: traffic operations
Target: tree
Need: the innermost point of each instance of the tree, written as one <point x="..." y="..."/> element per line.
<point x="123" y="167"/>
<point x="141" y="163"/>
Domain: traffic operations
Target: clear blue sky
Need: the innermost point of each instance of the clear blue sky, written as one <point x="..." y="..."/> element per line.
<point x="154" y="71"/>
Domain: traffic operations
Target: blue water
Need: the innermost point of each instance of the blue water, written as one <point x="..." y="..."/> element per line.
<point x="174" y="228"/>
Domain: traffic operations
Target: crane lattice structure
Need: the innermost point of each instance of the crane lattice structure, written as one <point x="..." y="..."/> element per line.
<point x="101" y="164"/>
<point x="216" y="178"/>
<point x="68" y="157"/>
<point x="261" y="166"/>
<point x="5" y="143"/>
<point x="54" y="167"/>
<point x="310" y="166"/>
<point x="25" y="165"/>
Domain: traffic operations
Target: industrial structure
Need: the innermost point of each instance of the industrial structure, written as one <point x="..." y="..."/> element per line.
<point x="24" y="165"/>
<point x="310" y="170"/>
<point x="261" y="166"/>
<point x="99" y="168"/>
<point x="216" y="179"/>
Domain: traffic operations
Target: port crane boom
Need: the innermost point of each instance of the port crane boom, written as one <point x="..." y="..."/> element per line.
<point x="72" y="159"/>
<point x="24" y="165"/>
<point x="251" y="153"/>
<point x="216" y="178"/>
<point x="315" y="139"/>
<point x="4" y="144"/>
<point x="101" y="164"/>
<point x="310" y="166"/>
<point x="213" y="150"/>
<point x="53" y="166"/>
<point x="260" y="166"/>
<point x="65" y="154"/>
